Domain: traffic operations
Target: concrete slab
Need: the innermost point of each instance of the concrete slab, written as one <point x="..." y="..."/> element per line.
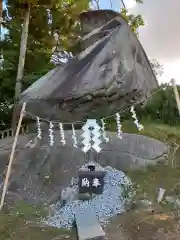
<point x="88" y="225"/>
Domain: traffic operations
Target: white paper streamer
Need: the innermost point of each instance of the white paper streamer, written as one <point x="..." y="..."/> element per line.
<point x="38" y="128"/>
<point x="91" y="136"/>
<point x="74" y="137"/>
<point x="87" y="137"/>
<point x="51" y="136"/>
<point x="104" y="131"/>
<point x="96" y="136"/>
<point x="119" y="126"/>
<point x="161" y="194"/>
<point x="63" y="141"/>
<point x="136" y="122"/>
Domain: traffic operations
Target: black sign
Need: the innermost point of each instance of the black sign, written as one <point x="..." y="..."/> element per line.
<point x="91" y="182"/>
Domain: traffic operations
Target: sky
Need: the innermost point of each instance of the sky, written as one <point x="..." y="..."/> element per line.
<point x="160" y="36"/>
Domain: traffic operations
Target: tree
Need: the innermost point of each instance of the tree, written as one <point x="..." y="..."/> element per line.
<point x="134" y="21"/>
<point x="1" y="21"/>
<point x="1" y="16"/>
<point x="69" y="11"/>
<point x="161" y="107"/>
<point x="157" y="67"/>
<point x="45" y="20"/>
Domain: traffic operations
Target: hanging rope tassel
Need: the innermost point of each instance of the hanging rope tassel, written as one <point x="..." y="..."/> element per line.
<point x="39" y="131"/>
<point x="74" y="137"/>
<point x="136" y="122"/>
<point x="51" y="136"/>
<point x="104" y="131"/>
<point x="119" y="126"/>
<point x="62" y="135"/>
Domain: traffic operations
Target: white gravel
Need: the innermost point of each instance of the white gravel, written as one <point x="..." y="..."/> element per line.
<point x="106" y="205"/>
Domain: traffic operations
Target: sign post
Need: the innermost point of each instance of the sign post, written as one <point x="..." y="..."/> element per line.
<point x="91" y="181"/>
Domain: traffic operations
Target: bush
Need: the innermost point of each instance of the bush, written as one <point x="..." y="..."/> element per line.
<point x="161" y="107"/>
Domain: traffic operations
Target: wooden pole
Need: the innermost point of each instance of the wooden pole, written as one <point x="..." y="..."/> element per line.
<point x="21" y="64"/>
<point x="12" y="157"/>
<point x="176" y="94"/>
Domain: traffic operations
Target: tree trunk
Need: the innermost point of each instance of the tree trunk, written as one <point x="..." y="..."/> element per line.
<point x="1" y="19"/>
<point x="1" y="26"/>
<point x="20" y="72"/>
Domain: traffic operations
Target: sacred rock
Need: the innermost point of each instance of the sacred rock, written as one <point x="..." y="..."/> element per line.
<point x="41" y="172"/>
<point x="111" y="73"/>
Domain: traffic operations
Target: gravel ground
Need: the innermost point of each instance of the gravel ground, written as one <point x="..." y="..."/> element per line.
<point x="106" y="205"/>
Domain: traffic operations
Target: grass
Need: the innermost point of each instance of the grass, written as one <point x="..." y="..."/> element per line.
<point x="151" y="223"/>
<point x="162" y="132"/>
<point x="165" y="175"/>
<point x="15" y="225"/>
<point x="149" y="180"/>
<point x="20" y="223"/>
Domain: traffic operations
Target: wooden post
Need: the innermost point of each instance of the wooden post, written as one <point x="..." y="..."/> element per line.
<point x="176" y="94"/>
<point x="12" y="157"/>
<point x="21" y="64"/>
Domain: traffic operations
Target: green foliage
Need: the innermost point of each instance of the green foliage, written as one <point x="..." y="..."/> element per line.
<point x="161" y="107"/>
<point x="21" y="222"/>
<point x="46" y="18"/>
<point x="134" y="21"/>
<point x="160" y="110"/>
<point x="157" y="67"/>
<point x="139" y="1"/>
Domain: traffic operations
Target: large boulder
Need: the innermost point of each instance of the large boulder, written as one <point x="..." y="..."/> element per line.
<point x="111" y="73"/>
<point x="40" y="171"/>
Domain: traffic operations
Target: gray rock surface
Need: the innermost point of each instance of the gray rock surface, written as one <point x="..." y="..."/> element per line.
<point x="91" y="20"/>
<point x="41" y="172"/>
<point x="112" y="72"/>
